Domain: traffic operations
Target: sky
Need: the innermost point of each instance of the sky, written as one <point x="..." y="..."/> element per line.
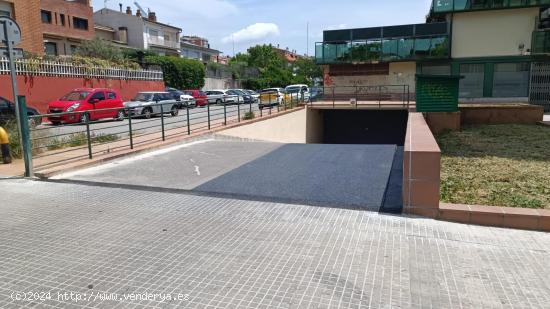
<point x="284" y="22"/>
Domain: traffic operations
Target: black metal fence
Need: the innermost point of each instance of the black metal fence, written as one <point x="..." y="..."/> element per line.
<point x="86" y="134"/>
<point x="379" y="96"/>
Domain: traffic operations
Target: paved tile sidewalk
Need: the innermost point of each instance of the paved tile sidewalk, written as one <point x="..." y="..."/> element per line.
<point x="243" y="254"/>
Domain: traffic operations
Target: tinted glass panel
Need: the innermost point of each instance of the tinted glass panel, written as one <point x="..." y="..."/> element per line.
<point x="98" y="95"/>
<point x="511" y="80"/>
<point x="436" y="69"/>
<point x="112" y="95"/>
<point x="471" y="86"/>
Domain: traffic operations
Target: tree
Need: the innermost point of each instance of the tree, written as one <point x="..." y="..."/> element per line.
<point x="179" y="72"/>
<point x="98" y="48"/>
<point x="306" y="71"/>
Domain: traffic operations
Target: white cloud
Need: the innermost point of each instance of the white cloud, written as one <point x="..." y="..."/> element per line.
<point x="253" y="33"/>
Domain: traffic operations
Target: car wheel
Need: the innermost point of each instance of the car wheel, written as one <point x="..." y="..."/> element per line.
<point x="218" y="101"/>
<point x="84" y="118"/>
<point x="147" y="113"/>
<point x="174" y="111"/>
<point x="55" y="123"/>
<point x="120" y="115"/>
<point x="34" y="122"/>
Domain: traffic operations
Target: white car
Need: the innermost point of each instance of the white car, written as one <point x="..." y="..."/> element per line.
<point x="219" y="96"/>
<point x="299" y="92"/>
<point x="255" y="96"/>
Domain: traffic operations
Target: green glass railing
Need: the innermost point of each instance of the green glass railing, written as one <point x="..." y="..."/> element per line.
<point x="444" y="6"/>
<point x="383" y="50"/>
<point x="541" y="42"/>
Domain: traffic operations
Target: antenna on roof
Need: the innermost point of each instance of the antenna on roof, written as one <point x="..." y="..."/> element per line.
<point x="141" y="9"/>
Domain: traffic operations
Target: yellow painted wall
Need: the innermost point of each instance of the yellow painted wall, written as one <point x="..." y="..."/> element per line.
<point x="492" y="33"/>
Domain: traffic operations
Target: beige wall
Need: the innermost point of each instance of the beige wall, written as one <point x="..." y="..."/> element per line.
<point x="401" y="73"/>
<point x="492" y="33"/>
<point x="298" y="127"/>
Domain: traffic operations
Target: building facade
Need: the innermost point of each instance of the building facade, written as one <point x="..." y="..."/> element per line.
<point x="26" y="14"/>
<point x="492" y="44"/>
<point x="137" y="31"/>
<point x="65" y="24"/>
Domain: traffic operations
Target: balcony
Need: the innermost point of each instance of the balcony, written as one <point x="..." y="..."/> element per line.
<point x="541" y="42"/>
<point x="158" y="41"/>
<point x="384" y="44"/>
<point x="448" y="6"/>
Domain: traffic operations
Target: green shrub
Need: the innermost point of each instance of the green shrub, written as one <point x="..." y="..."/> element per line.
<point x="178" y="72"/>
<point x="249" y="116"/>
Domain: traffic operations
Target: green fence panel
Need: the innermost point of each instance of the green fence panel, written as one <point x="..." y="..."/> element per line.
<point x="436" y="93"/>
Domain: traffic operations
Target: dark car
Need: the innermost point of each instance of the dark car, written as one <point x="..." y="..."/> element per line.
<point x="241" y="95"/>
<point x="7" y="113"/>
<point x="184" y="99"/>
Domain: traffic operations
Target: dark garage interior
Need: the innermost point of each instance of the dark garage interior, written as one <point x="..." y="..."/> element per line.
<point x="374" y="127"/>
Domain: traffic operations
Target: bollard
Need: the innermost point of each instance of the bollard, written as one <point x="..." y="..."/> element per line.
<point x="5" y="145"/>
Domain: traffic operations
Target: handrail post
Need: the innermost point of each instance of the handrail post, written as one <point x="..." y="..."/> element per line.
<point x="162" y="121"/>
<point x="188" y="124"/>
<point x="239" y="112"/>
<point x="379" y="97"/>
<point x="130" y="114"/>
<point x="208" y="111"/>
<point x="356" y="98"/>
<point x="25" y="135"/>
<point x="225" y="114"/>
<point x="333" y="98"/>
<point x="88" y="135"/>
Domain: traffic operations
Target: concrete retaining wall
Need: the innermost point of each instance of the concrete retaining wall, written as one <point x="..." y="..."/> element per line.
<point x="421" y="169"/>
<point x="501" y="114"/>
<point x="299" y="127"/>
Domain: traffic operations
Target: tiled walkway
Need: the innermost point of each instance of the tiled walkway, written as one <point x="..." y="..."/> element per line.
<point x="220" y="253"/>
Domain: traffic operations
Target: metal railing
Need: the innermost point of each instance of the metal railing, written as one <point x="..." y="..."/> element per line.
<point x="66" y="69"/>
<point x="162" y="42"/>
<point x="376" y="96"/>
<point x="80" y="137"/>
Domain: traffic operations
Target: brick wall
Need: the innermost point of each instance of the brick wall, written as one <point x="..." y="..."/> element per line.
<point x="27" y="16"/>
<point x="81" y="9"/>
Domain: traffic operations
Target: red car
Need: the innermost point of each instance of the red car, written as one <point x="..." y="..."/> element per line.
<point x="86" y="99"/>
<point x="200" y="96"/>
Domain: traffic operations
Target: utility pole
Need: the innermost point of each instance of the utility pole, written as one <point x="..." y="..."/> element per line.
<point x="307" y="39"/>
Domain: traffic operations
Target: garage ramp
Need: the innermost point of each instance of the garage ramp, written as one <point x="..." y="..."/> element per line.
<point x="349" y="176"/>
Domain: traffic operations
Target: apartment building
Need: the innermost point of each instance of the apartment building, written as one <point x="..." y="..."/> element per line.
<point x="65" y="24"/>
<point x="198" y="48"/>
<point x="493" y="44"/>
<point x="138" y="31"/>
<point x="26" y="14"/>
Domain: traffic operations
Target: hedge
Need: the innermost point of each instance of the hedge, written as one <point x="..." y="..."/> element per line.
<point x="179" y="73"/>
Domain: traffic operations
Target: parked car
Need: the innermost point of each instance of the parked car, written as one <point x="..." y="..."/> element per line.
<point x="201" y="99"/>
<point x="148" y="104"/>
<point x="220" y="96"/>
<point x="255" y="96"/>
<point x="316" y="93"/>
<point x="7" y="113"/>
<point x="94" y="100"/>
<point x="241" y="96"/>
<point x="184" y="100"/>
<point x="273" y="97"/>
<point x="298" y="93"/>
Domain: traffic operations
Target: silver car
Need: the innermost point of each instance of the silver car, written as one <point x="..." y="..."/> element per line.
<point x="148" y="104"/>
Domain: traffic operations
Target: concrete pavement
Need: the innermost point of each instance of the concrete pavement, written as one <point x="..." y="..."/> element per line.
<point x="114" y="247"/>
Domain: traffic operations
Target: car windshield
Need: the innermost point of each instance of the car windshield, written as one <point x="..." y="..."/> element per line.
<point x="75" y="96"/>
<point x="293" y="89"/>
<point x="143" y="97"/>
<point x="188" y="93"/>
<point x="239" y="92"/>
<point x="250" y="91"/>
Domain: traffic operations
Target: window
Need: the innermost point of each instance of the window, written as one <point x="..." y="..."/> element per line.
<point x="50" y="48"/>
<point x="62" y="19"/>
<point x="153" y="33"/>
<point x="511" y="80"/>
<point x="99" y="96"/>
<point x="167" y="37"/>
<point x="73" y="48"/>
<point x="111" y="95"/>
<point x="471" y="86"/>
<point x="5" y="13"/>
<point x="46" y="16"/>
<point x="80" y="23"/>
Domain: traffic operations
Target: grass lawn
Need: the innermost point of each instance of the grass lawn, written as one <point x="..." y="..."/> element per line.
<point x="498" y="165"/>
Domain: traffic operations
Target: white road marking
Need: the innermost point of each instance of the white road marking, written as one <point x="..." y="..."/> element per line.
<point x="100" y="168"/>
<point x="197" y="170"/>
